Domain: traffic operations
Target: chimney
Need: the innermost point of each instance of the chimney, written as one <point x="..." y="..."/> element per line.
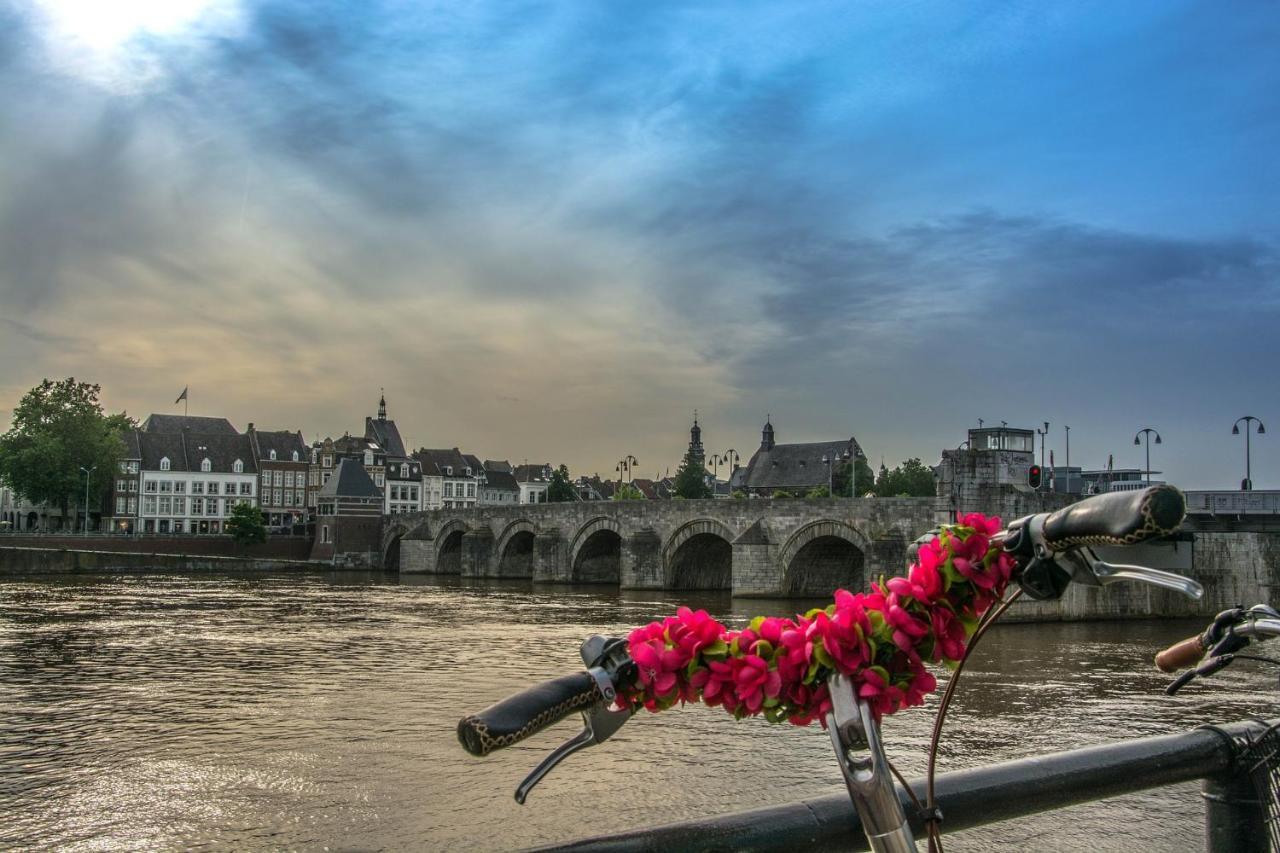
<point x="250" y="426"/>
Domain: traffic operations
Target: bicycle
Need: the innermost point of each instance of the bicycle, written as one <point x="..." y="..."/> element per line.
<point x="1043" y="553"/>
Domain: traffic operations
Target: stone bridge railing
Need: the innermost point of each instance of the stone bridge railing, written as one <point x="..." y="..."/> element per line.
<point x="756" y="547"/>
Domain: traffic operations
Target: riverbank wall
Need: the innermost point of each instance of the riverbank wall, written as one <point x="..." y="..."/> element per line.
<point x="23" y="555"/>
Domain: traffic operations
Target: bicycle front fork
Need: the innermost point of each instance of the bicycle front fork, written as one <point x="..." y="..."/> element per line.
<point x="856" y="740"/>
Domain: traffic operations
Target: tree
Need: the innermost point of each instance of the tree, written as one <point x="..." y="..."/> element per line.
<point x="628" y="492"/>
<point x="738" y="495"/>
<point x="691" y="479"/>
<point x="840" y="478"/>
<point x="58" y="429"/>
<point x="246" y="525"/>
<point x="910" y="479"/>
<point x="782" y="493"/>
<point x="817" y="492"/>
<point x="561" y="490"/>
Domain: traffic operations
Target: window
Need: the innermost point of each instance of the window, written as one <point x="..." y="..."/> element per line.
<point x="395" y="493"/>
<point x="295" y="456"/>
<point x="448" y="470"/>
<point x="377" y="479"/>
<point x="197" y="505"/>
<point x="324" y="533"/>
<point x="328" y="461"/>
<point x="278" y="478"/>
<point x="180" y="487"/>
<point x="471" y="490"/>
<point x="124" y="467"/>
<point x="211" y="507"/>
<point x="448" y="490"/>
<point x="413" y="493"/>
<point x="326" y="477"/>
<point x="273" y="456"/>
<point x="368" y="457"/>
<point x="467" y="471"/>
<point x="149" y="486"/>
<point x="179" y="506"/>
<point x="166" y="506"/>
<point x="133" y="467"/>
<point x="238" y="466"/>
<point x="404" y="471"/>
<point x="133" y="506"/>
<point x="206" y="465"/>
<point x="148" y="506"/>
<point x="164" y="463"/>
<point x="288" y="479"/>
<point x="197" y="488"/>
<point x="246" y="489"/>
<point x="122" y="485"/>
<point x="133" y="485"/>
<point x="275" y="498"/>
<point x="120" y="505"/>
<point x="212" y="488"/>
<point x="166" y="487"/>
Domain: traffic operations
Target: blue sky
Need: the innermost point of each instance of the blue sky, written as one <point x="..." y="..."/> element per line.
<point x="551" y="231"/>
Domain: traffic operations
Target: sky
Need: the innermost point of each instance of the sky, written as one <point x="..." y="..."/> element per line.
<point x="551" y="231"/>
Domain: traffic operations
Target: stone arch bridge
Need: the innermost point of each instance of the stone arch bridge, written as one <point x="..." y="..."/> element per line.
<point x="756" y="547"/>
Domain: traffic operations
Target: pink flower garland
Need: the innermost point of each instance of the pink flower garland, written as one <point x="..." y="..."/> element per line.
<point x="881" y="639"/>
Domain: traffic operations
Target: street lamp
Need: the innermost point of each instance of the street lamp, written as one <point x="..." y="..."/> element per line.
<point x="1147" y="432"/>
<point x="731" y="458"/>
<point x="829" y="461"/>
<point x="715" y="461"/>
<point x="1247" y="484"/>
<point x="625" y="465"/>
<point x="87" y="473"/>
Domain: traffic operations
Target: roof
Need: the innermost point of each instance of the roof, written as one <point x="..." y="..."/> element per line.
<point x="190" y="423"/>
<point x="349" y="480"/>
<point x="386" y="434"/>
<point x="132" y="449"/>
<point x="503" y="481"/>
<point x="283" y="442"/>
<point x="434" y="462"/>
<point x="186" y="451"/>
<point x="531" y="473"/>
<point x="786" y="466"/>
<point x="498" y="465"/>
<point x="474" y="462"/>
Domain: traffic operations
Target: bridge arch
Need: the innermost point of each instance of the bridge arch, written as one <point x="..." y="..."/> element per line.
<point x="595" y="555"/>
<point x="514" y="549"/>
<point x="823" y="556"/>
<point x="449" y="547"/>
<point x="699" y="555"/>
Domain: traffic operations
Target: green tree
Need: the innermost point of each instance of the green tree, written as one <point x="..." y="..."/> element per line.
<point x="738" y="495"/>
<point x="910" y="479"/>
<point x="561" y="490"/>
<point x="246" y="525"/>
<point x="691" y="479"/>
<point x="782" y="493"/>
<point x="817" y="492"/>
<point x="840" y="478"/>
<point x="58" y="429"/>
<point x="628" y="492"/>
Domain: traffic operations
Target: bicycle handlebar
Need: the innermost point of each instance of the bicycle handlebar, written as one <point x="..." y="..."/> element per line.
<point x="1116" y="518"/>
<point x="1181" y="654"/>
<point x="527" y="712"/>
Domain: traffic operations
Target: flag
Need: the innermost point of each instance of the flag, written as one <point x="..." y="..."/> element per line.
<point x="181" y="397"/>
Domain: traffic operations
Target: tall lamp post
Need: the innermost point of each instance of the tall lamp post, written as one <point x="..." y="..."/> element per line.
<point x="1246" y="485"/>
<point x="1147" y="432"/>
<point x="715" y="461"/>
<point x="624" y="466"/>
<point x="1044" y="434"/>
<point x="87" y="473"/>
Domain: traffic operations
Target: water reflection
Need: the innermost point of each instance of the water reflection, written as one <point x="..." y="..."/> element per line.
<point x="250" y="711"/>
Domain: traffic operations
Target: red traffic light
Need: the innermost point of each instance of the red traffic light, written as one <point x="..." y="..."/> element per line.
<point x="1033" y="476"/>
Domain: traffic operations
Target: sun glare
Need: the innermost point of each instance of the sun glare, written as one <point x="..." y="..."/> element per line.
<point x="104" y="26"/>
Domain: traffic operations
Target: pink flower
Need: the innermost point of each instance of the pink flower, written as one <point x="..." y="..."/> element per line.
<point x="754" y="681"/>
<point x="923" y="583"/>
<point x="981" y="523"/>
<point x="949" y="635"/>
<point x="692" y="630"/>
<point x="658" y="666"/>
<point x="907" y="630"/>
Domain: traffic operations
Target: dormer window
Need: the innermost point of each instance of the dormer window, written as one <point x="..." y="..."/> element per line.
<point x="368" y="457"/>
<point x="295" y="456"/>
<point x="238" y="466"/>
<point x="164" y="463"/>
<point x="273" y="456"/>
<point x="206" y="465"/>
<point x="468" y="471"/>
<point x="404" y="471"/>
<point x="448" y="470"/>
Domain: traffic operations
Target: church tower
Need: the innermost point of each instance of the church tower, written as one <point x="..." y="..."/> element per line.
<point x="696" y="451"/>
<point x="382" y="406"/>
<point x="766" y="435"/>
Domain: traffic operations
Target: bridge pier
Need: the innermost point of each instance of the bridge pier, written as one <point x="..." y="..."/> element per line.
<point x="550" y="557"/>
<point x="641" y="566"/>
<point x="477" y="554"/>
<point x="755" y="559"/>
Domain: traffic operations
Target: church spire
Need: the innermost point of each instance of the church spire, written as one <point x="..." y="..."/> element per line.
<point x="695" y="441"/>
<point x="766" y="435"/>
<point x="382" y="405"/>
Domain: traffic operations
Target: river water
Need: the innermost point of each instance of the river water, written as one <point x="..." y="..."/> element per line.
<point x="318" y="712"/>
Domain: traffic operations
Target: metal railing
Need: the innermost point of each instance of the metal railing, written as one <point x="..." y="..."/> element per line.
<point x="1234" y="816"/>
<point x="1233" y="502"/>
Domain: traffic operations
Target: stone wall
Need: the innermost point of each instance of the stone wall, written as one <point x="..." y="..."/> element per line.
<point x="39" y="561"/>
<point x="276" y="547"/>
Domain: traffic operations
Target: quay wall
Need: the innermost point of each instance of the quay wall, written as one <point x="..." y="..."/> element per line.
<point x="50" y="559"/>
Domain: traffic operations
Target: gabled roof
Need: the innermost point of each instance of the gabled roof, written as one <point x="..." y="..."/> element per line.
<point x="434" y="462"/>
<point x="132" y="449"/>
<point x="386" y="434"/>
<point x="533" y="473"/>
<point x="789" y="466"/>
<point x="190" y="423"/>
<point x="349" y="480"/>
<point x="186" y="451"/>
<point x="498" y="465"/>
<point x="474" y="461"/>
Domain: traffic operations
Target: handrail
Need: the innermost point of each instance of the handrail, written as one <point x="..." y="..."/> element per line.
<point x="968" y="798"/>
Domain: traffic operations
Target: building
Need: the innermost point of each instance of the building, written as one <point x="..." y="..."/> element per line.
<point x="795" y="468"/>
<point x="348" y="516"/>
<point x="283" y="463"/>
<point x="534" y="480"/>
<point x="190" y="481"/>
<point x="403" y="486"/>
<point x="449" y="478"/>
<point x="19" y="515"/>
<point x="990" y="459"/>
<point x="500" y="486"/>
<point x="122" y="502"/>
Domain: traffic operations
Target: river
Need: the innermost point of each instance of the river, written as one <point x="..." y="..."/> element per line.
<point x="318" y="712"/>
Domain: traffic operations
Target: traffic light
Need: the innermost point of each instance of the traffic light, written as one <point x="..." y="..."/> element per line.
<point x="1033" y="476"/>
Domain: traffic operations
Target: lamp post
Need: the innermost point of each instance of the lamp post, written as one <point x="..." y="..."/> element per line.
<point x="731" y="458"/>
<point x="625" y="465"/>
<point x="87" y="473"/>
<point x="1246" y="485"/>
<point x="1044" y="434"/>
<point x="1068" y="429"/>
<point x="715" y="461"/>
<point x="1147" y="432"/>
<point x="829" y="461"/>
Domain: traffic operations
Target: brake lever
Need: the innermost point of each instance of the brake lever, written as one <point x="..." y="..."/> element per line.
<point x="607" y="660"/>
<point x="1086" y="568"/>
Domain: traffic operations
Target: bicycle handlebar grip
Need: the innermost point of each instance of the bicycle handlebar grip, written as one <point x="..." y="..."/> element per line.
<point x="527" y="712"/>
<point x="1181" y="654"/>
<point x="1116" y="518"/>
